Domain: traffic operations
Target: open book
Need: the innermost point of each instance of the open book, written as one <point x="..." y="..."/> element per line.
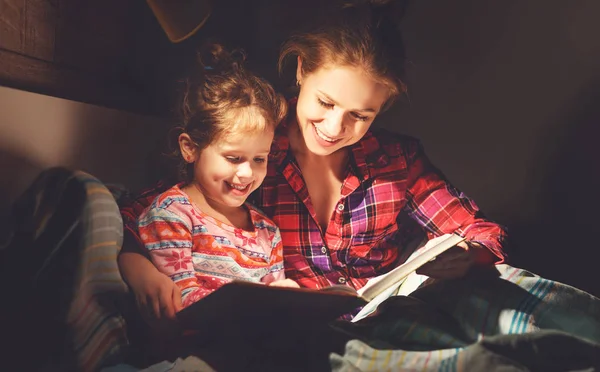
<point x="251" y="305"/>
<point x="379" y="288"/>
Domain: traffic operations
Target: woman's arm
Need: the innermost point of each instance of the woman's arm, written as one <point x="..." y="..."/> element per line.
<point x="156" y="295"/>
<point x="440" y="208"/>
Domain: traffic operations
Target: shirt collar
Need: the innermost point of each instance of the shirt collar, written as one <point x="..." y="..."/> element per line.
<point x="369" y="156"/>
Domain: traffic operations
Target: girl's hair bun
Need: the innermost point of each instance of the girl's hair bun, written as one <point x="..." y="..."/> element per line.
<point x="214" y="58"/>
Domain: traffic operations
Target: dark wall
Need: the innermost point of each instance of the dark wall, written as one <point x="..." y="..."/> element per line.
<point x="506" y="98"/>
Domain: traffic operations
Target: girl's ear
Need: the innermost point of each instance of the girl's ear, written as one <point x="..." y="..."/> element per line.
<point x="188" y="148"/>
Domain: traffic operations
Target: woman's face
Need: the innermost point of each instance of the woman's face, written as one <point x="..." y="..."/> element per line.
<point x="336" y="106"/>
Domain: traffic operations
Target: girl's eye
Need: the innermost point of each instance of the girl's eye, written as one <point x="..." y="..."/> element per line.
<point x="233" y="159"/>
<point x="325" y="104"/>
<point x="260" y="160"/>
<point x="360" y="117"/>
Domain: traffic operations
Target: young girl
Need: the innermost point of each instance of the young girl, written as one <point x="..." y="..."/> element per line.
<point x="200" y="232"/>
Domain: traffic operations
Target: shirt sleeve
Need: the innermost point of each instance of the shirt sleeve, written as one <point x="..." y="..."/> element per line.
<point x="441" y="208"/>
<point x="131" y="208"/>
<point x="276" y="270"/>
<point x="168" y="239"/>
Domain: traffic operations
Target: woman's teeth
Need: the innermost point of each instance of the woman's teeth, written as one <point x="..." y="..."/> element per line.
<point x="323" y="136"/>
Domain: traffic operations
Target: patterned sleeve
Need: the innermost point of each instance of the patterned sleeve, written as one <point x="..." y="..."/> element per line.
<point x="440" y="208"/>
<point x="168" y="239"/>
<point x="131" y="208"/>
<point x="276" y="271"/>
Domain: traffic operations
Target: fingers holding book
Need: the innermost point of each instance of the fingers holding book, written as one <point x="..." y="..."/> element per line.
<point x="289" y="283"/>
<point x="453" y="263"/>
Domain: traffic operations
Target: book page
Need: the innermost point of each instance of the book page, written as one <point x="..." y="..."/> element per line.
<point x="371" y="306"/>
<point x="433" y="248"/>
<point x="384" y="286"/>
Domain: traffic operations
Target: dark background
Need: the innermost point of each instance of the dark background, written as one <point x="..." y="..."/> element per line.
<point x="504" y="95"/>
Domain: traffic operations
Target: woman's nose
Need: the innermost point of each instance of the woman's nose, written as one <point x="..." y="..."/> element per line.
<point x="334" y="124"/>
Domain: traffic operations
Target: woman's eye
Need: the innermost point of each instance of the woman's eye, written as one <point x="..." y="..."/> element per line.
<point x="325" y="104"/>
<point x="360" y="117"/>
<point x="260" y="160"/>
<point x="233" y="159"/>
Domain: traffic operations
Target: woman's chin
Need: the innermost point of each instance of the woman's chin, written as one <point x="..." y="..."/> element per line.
<point x="316" y="149"/>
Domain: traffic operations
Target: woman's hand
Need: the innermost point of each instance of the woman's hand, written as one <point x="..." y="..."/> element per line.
<point x="285" y="283"/>
<point x="456" y="261"/>
<point x="157" y="297"/>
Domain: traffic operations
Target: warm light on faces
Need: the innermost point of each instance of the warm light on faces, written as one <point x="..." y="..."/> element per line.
<point x="230" y="169"/>
<point x="336" y="107"/>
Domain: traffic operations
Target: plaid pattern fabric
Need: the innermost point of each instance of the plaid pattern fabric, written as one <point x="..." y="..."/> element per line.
<point x="389" y="179"/>
<point x="391" y="194"/>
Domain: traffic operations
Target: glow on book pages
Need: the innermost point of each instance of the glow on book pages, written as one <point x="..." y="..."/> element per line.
<point x="380" y="288"/>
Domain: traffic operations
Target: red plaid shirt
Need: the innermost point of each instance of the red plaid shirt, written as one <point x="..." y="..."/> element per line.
<point x="390" y="186"/>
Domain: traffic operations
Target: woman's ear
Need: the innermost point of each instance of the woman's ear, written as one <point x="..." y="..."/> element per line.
<point x="189" y="148"/>
<point x="299" y="72"/>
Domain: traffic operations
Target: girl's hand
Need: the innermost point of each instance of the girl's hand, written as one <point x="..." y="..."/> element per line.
<point x="456" y="261"/>
<point x="285" y="283"/>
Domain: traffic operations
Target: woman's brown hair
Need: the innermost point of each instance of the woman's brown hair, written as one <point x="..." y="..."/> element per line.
<point x="363" y="34"/>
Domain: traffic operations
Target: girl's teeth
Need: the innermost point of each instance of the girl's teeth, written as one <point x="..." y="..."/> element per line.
<point x="238" y="187"/>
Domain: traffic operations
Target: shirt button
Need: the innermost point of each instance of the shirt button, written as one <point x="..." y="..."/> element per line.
<point x="342" y="280"/>
<point x="340" y="207"/>
<point x="324" y="250"/>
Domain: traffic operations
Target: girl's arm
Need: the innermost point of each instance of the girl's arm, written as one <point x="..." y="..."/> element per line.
<point x="157" y="296"/>
<point x="276" y="276"/>
<point x="168" y="238"/>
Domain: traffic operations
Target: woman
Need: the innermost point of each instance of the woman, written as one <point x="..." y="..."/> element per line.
<point x="348" y="199"/>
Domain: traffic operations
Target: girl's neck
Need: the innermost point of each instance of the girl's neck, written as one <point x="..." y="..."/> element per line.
<point x="238" y="217"/>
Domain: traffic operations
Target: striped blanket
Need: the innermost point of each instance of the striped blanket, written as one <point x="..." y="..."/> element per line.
<point x="441" y="326"/>
<point x="97" y="327"/>
<point x="60" y="271"/>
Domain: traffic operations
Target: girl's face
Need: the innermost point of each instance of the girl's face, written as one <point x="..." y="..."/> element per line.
<point x="231" y="168"/>
<point x="336" y="106"/>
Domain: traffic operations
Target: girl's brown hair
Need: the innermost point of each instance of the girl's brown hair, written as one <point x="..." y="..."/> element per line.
<point x="222" y="98"/>
<point x="362" y="34"/>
